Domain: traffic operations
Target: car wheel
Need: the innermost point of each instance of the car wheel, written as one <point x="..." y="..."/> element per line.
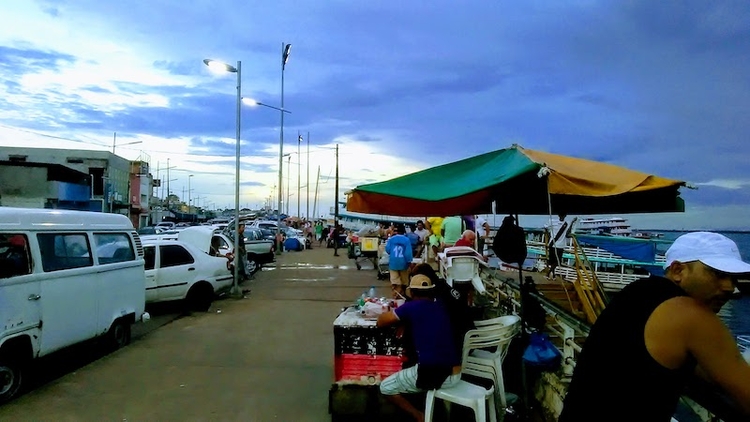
<point x="252" y="266"/>
<point x="118" y="335"/>
<point x="11" y="376"/>
<point x="199" y="298"/>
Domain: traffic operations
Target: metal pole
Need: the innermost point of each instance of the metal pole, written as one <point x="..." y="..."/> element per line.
<point x="307" y="213"/>
<point x="237" y="240"/>
<point x="281" y="149"/>
<point x="288" y="189"/>
<point x="299" y="160"/>
<point x="336" y="207"/>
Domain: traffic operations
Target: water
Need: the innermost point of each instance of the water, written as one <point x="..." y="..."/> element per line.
<point x="736" y="313"/>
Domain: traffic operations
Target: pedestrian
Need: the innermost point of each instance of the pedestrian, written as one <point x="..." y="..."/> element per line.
<point x="558" y="234"/>
<point x="241" y="254"/>
<point x="657" y="333"/>
<point x="399" y="250"/>
<point x="438" y="361"/>
<point x="335" y="237"/>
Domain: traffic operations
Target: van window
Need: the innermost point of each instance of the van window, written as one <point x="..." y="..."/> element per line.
<point x="15" y="258"/>
<point x="149" y="255"/>
<point x="173" y="255"/>
<point x="64" y="251"/>
<point x="113" y="247"/>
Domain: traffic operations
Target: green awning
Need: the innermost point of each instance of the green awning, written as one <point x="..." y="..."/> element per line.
<point x="520" y="181"/>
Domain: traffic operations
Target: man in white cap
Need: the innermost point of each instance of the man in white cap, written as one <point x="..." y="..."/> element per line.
<point x="438" y="362"/>
<point x="657" y="332"/>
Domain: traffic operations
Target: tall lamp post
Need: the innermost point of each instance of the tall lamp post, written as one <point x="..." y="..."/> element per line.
<point x="285" y="50"/>
<point x="223" y="67"/>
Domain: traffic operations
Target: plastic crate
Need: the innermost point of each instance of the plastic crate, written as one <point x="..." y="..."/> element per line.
<point x="365" y="369"/>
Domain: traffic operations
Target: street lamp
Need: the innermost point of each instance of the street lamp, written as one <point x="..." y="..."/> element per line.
<point x="285" y="50"/>
<point x="223" y="67"/>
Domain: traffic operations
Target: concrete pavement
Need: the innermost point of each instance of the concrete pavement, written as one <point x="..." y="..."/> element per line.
<point x="268" y="357"/>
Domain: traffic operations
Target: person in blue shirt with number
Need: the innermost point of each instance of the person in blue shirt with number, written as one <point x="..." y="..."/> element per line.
<point x="398" y="248"/>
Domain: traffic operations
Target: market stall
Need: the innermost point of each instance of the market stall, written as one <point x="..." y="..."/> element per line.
<point x="364" y="355"/>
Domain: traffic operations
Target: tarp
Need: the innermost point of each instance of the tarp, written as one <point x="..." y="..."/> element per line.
<point x="520" y="181"/>
<point x="640" y="250"/>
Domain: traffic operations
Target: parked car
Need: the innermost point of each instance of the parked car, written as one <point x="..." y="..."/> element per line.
<point x="259" y="249"/>
<point x="180" y="271"/>
<point x="166" y="224"/>
<point x="149" y="230"/>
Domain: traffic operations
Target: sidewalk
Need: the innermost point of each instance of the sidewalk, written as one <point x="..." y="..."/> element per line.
<point x="268" y="357"/>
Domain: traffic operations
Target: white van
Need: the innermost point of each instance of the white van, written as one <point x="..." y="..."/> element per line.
<point x="65" y="277"/>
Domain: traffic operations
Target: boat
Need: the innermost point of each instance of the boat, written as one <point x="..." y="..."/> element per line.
<point x="616" y="226"/>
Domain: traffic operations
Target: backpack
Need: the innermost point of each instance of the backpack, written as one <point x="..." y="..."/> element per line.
<point x="510" y="242"/>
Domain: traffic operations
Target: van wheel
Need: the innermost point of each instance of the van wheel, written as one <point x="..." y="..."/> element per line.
<point x="199" y="299"/>
<point x="11" y="375"/>
<point x="118" y="335"/>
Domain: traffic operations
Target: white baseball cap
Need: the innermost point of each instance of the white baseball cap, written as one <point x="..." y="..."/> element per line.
<point x="713" y="249"/>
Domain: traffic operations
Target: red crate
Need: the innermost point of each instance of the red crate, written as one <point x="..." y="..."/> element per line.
<point x="365" y="369"/>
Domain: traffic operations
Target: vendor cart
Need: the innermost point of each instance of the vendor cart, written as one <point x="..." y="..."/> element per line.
<point x="364" y="355"/>
<point x="364" y="249"/>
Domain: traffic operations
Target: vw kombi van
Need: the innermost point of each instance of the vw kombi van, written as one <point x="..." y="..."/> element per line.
<point x="65" y="277"/>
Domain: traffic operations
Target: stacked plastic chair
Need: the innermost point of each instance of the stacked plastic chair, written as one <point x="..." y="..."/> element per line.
<point x="477" y="360"/>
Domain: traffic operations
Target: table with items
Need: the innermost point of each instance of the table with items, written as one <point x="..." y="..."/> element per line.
<point x="364" y="355"/>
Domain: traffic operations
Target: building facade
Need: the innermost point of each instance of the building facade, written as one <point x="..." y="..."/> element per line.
<point x="75" y="179"/>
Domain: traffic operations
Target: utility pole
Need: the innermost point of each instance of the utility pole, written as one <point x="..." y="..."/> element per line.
<point x="336" y="205"/>
<point x="315" y="199"/>
<point x="299" y="160"/>
<point x="336" y="208"/>
<point x="307" y="213"/>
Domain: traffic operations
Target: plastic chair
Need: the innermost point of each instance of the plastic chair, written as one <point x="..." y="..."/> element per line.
<point x="464" y="268"/>
<point x="465" y="394"/>
<point x="468" y="394"/>
<point x="488" y="364"/>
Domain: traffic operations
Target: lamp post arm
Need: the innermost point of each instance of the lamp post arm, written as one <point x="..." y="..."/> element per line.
<point x="275" y="108"/>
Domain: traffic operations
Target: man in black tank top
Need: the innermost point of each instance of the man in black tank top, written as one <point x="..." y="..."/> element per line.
<point x="656" y="333"/>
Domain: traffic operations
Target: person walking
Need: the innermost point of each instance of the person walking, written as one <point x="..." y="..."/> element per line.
<point x="399" y="250"/>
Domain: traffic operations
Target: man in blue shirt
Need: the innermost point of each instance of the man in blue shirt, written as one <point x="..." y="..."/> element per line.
<point x="438" y="359"/>
<point x="398" y="248"/>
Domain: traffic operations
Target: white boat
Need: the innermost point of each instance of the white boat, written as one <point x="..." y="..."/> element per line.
<point x="616" y="226"/>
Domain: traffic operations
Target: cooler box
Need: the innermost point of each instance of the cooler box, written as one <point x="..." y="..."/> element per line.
<point x="369" y="244"/>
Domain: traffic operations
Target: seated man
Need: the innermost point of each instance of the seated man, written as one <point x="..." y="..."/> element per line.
<point x="438" y="363"/>
<point x="467" y="239"/>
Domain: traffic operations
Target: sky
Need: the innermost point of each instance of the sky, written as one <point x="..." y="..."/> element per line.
<point x="659" y="87"/>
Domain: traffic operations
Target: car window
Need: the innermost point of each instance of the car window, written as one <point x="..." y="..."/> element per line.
<point x="64" y="251"/>
<point x="113" y="247"/>
<point x="149" y="254"/>
<point x="172" y="255"/>
<point x="15" y="259"/>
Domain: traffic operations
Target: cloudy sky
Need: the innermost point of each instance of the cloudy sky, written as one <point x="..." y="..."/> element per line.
<point x="660" y="87"/>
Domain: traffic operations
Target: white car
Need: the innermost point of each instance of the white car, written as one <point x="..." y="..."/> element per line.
<point x="180" y="271"/>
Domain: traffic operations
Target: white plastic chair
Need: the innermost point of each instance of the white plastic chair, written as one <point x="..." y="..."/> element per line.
<point x="466" y="393"/>
<point x="464" y="268"/>
<point x="488" y="364"/>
